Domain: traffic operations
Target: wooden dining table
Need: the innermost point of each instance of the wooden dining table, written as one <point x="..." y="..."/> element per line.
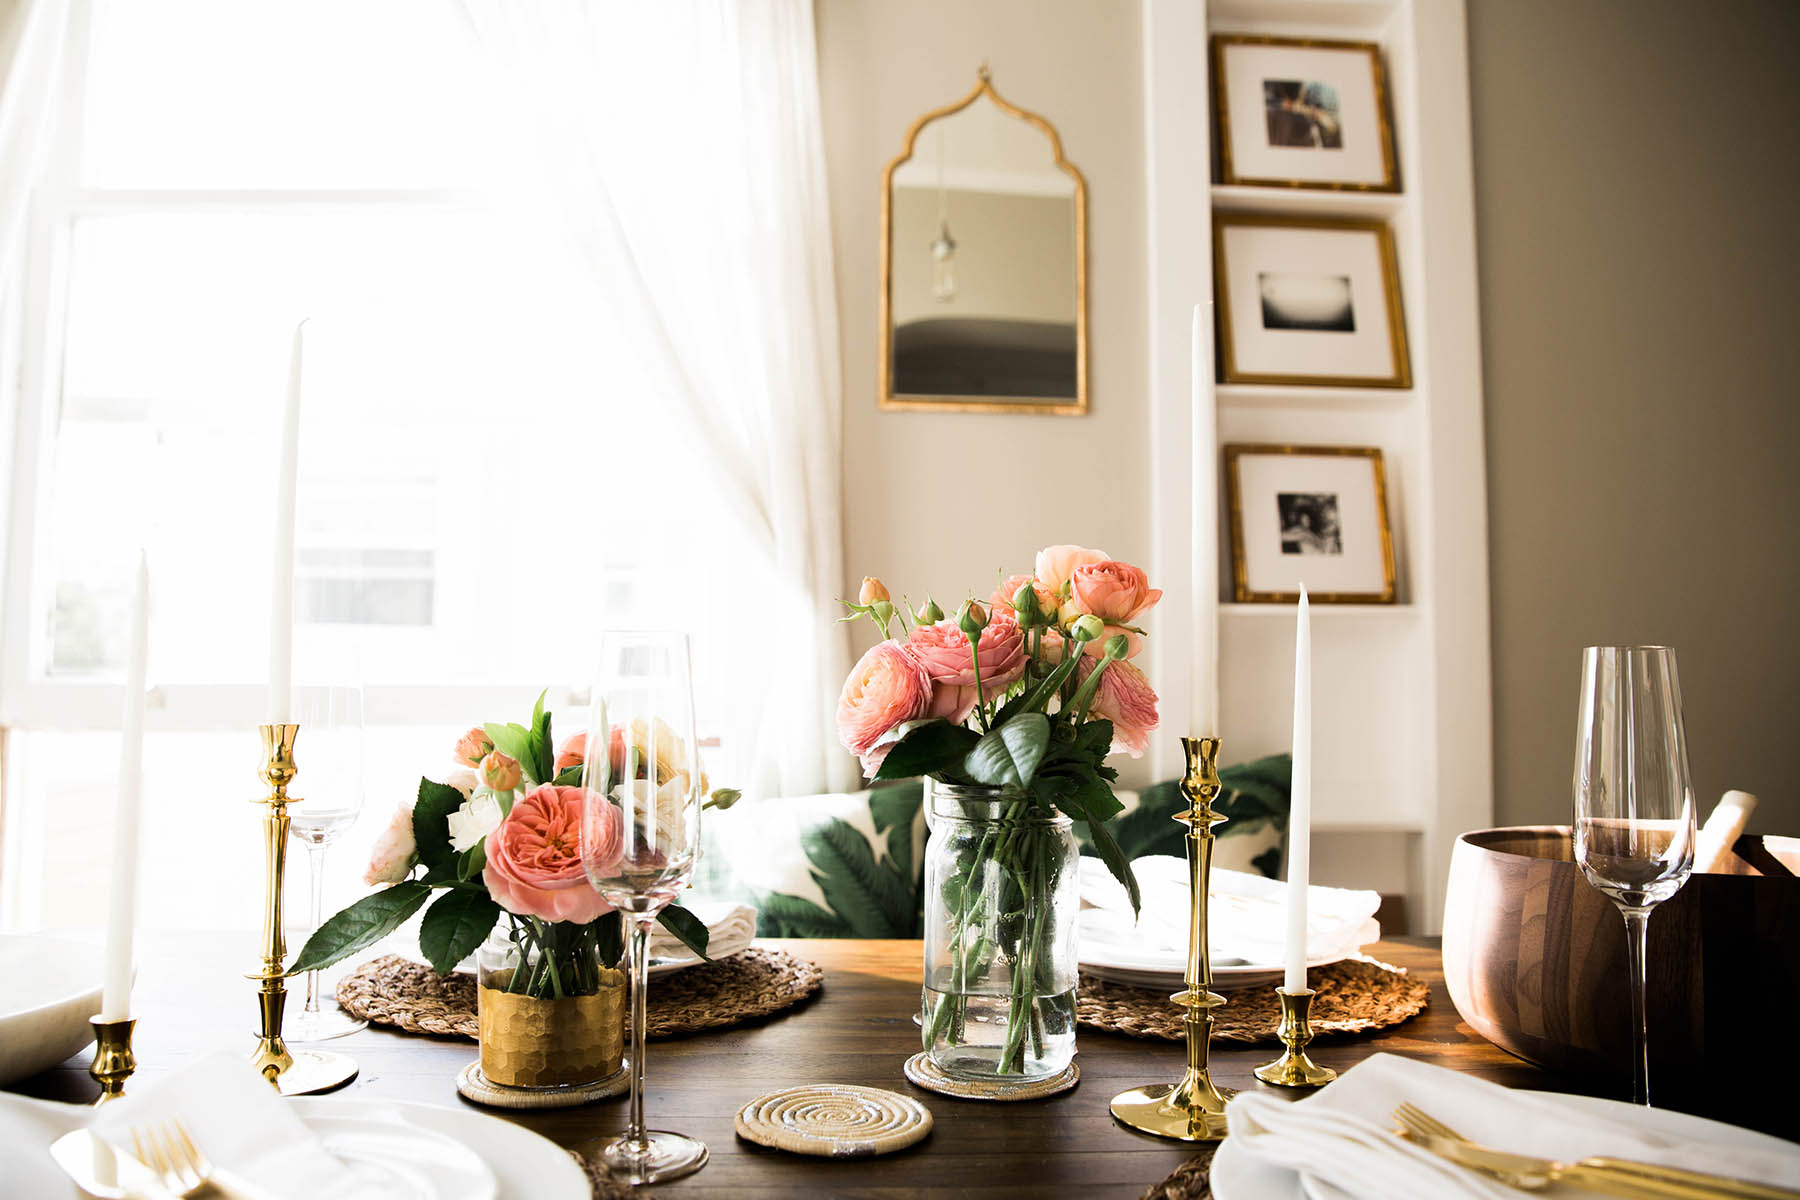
<point x="192" y="999"/>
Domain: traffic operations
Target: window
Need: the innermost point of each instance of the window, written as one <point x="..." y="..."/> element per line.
<point x="474" y="507"/>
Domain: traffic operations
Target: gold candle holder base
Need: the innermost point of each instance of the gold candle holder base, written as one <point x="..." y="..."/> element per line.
<point x="113" y="1060"/>
<point x="1191" y="1110"/>
<point x="1294" y="1068"/>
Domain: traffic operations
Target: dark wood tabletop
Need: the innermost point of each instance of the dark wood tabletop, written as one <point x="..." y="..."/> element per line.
<point x="192" y="999"/>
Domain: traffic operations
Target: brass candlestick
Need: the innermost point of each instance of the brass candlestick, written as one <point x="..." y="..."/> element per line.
<point x="311" y="1070"/>
<point x="1192" y="1110"/>
<point x="1294" y="1068"/>
<point x="113" y="1060"/>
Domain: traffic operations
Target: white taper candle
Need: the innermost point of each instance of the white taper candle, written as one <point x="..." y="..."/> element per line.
<point x="121" y="912"/>
<point x="1300" y="810"/>
<point x="281" y="603"/>
<point x="1203" y="699"/>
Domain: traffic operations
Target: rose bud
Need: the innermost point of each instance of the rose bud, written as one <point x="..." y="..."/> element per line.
<point x="972" y="620"/>
<point x="500" y="771"/>
<point x="931" y="614"/>
<point x="1086" y="628"/>
<point x="1025" y="603"/>
<point x="472" y="746"/>
<point x="1117" y="645"/>
<point x="872" y="590"/>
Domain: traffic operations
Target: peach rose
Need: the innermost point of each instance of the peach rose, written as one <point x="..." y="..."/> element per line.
<point x="463" y="780"/>
<point x="572" y="754"/>
<point x="1002" y="599"/>
<point x="887" y="687"/>
<point x="1116" y="592"/>
<point x="499" y="771"/>
<point x="391" y="857"/>
<point x="943" y="650"/>
<point x="1055" y="564"/>
<point x="534" y="856"/>
<point x="472" y="746"/>
<point x="873" y="591"/>
<point x="1125" y="698"/>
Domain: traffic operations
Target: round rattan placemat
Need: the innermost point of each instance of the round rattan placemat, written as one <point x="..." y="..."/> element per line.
<point x="471" y="1084"/>
<point x="834" y="1120"/>
<point x="408" y="995"/>
<point x="1354" y="996"/>
<point x="1192" y="1180"/>
<point x="922" y="1072"/>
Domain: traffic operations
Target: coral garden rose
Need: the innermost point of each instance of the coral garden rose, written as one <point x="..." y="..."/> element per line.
<point x="392" y="856"/>
<point x="500" y="771"/>
<point x="534" y="856"/>
<point x="572" y="754"/>
<point x="472" y="746"/>
<point x="1055" y="564"/>
<point x="1116" y="592"/>
<point x="887" y="687"/>
<point x="943" y="650"/>
<point x="1125" y="698"/>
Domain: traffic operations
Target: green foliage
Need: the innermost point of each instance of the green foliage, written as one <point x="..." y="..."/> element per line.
<point x="360" y="926"/>
<point x="1255" y="795"/>
<point x="869" y="895"/>
<point x="781" y="915"/>
<point x="933" y="748"/>
<point x="515" y="741"/>
<point x="431" y="822"/>
<point x="686" y="926"/>
<point x="454" y="926"/>
<point x="893" y="810"/>
<point x="1009" y="755"/>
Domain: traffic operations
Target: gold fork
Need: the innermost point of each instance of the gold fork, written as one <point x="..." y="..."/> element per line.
<point x="177" y="1161"/>
<point x="1614" y="1176"/>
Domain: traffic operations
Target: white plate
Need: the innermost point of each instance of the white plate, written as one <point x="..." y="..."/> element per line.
<point x="1141" y="967"/>
<point x="404" y="1159"/>
<point x="1238" y="1176"/>
<point x="48" y="989"/>
<point x="528" y="1167"/>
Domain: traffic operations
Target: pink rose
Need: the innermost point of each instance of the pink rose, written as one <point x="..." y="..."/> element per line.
<point x="1116" y="592"/>
<point x="1055" y="564"/>
<point x="500" y="772"/>
<point x="943" y="650"/>
<point x="534" y="858"/>
<point x="1002" y="599"/>
<point x="887" y="687"/>
<point x="1051" y="646"/>
<point x="472" y="746"/>
<point x="1125" y="698"/>
<point x="391" y="857"/>
<point x="572" y="754"/>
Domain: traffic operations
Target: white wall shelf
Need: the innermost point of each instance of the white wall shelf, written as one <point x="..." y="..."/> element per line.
<point x="1312" y="202"/>
<point x="1264" y="395"/>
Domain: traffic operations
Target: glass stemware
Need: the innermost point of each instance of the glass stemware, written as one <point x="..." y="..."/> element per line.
<point x="1634" y="803"/>
<point x="331" y="793"/>
<point x="640" y="834"/>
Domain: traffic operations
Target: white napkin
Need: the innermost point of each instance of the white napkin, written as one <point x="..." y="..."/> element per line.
<point x="241" y="1124"/>
<point x="27" y="1127"/>
<point x="1248" y="913"/>
<point x="729" y="929"/>
<point x="1344" y="1136"/>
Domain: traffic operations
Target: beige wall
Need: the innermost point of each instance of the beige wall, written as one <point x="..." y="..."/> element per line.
<point x="1637" y="171"/>
<point x="942" y="502"/>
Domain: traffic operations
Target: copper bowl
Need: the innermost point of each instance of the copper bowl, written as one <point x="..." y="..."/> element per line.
<point x="1534" y="959"/>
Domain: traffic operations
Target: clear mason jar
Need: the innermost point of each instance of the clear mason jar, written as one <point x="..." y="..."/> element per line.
<point x="1001" y="899"/>
<point x="548" y="1030"/>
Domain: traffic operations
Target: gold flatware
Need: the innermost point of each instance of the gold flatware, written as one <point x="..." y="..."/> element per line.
<point x="177" y="1161"/>
<point x="1614" y="1176"/>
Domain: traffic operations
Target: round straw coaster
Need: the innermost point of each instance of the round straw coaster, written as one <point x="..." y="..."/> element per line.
<point x="922" y="1071"/>
<point x="834" y="1120"/>
<point x="473" y="1085"/>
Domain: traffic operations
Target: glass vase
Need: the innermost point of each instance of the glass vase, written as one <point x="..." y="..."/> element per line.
<point x="1001" y="899"/>
<point x="550" y="1014"/>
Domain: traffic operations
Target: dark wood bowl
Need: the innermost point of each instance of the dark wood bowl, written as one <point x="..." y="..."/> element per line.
<point x="1534" y="959"/>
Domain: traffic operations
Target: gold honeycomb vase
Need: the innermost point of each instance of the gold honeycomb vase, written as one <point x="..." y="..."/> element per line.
<point x="564" y="1041"/>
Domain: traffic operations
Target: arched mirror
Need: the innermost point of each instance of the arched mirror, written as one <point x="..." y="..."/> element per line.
<point x="983" y="264"/>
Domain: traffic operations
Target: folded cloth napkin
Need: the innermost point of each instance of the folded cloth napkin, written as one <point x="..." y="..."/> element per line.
<point x="1248" y="913"/>
<point x="729" y="928"/>
<point x="242" y="1125"/>
<point x="1344" y="1136"/>
<point x="27" y="1127"/>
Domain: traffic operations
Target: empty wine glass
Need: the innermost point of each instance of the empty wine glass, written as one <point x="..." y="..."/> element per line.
<point x="1634" y="803"/>
<point x="330" y="788"/>
<point x="640" y="833"/>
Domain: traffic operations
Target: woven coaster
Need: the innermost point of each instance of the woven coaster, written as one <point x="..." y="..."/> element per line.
<point x="834" y="1120"/>
<point x="1354" y="996"/>
<point x="471" y="1084"/>
<point x="395" y="991"/>
<point x="921" y="1071"/>
<point x="1192" y="1180"/>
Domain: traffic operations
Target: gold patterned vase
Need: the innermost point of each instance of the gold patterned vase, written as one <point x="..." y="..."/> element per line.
<point x="550" y="1014"/>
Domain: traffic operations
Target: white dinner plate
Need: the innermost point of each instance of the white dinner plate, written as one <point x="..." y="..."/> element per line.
<point x="404" y="1159"/>
<point x="526" y="1166"/>
<point x="1136" y="966"/>
<point x="1239" y="1176"/>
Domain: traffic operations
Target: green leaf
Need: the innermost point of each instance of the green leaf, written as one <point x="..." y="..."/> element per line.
<point x="514" y="741"/>
<point x="543" y="748"/>
<point x="781" y="915"/>
<point x="872" y="900"/>
<point x="928" y="749"/>
<point x="686" y="926"/>
<point x="537" y="710"/>
<point x="454" y="926"/>
<point x="470" y="862"/>
<point x="568" y="776"/>
<point x="431" y="822"/>
<point x="897" y="805"/>
<point x="1094" y="739"/>
<point x="360" y="926"/>
<point x="1011" y="753"/>
<point x="1115" y="860"/>
<point x="609" y="938"/>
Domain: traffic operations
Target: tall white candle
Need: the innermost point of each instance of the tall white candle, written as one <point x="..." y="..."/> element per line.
<point x="115" y="997"/>
<point x="1300" y="812"/>
<point x="1203" y="700"/>
<point x="281" y="603"/>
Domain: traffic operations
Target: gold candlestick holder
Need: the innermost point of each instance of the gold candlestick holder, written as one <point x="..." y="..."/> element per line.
<point x="310" y="1070"/>
<point x="1192" y="1109"/>
<point x="1294" y="1068"/>
<point x="113" y="1060"/>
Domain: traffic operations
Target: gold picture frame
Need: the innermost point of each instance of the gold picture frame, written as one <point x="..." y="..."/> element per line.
<point x="1230" y="370"/>
<point x="1228" y="158"/>
<point x="1242" y="591"/>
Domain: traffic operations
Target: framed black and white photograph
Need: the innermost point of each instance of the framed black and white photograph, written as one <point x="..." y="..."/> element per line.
<point x="1309" y="514"/>
<point x="1304" y="114"/>
<point x="1303" y="300"/>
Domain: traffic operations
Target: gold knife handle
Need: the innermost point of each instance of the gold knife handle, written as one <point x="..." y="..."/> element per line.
<point x="1709" y="1185"/>
<point x="1614" y="1182"/>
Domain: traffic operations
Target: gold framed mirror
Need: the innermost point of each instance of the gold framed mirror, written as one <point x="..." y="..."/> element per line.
<point x="983" y="264"/>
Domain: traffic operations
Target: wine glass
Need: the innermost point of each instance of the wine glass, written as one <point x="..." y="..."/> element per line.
<point x="640" y="833"/>
<point x="331" y="797"/>
<point x="1634" y="803"/>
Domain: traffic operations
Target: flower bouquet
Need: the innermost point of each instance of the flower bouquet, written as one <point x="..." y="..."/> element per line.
<point x="1010" y="711"/>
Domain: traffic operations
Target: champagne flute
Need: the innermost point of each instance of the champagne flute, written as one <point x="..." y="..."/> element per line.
<point x="331" y="798"/>
<point x="640" y="833"/>
<point x="1634" y="803"/>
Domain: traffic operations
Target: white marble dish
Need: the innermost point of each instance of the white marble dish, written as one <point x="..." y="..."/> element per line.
<point x="49" y="987"/>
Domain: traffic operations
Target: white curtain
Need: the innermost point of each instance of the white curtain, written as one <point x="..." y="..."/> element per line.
<point x="33" y="47"/>
<point x="681" y="141"/>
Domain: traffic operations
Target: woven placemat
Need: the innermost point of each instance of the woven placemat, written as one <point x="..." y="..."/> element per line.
<point x="834" y="1120"/>
<point x="395" y="991"/>
<point x="922" y="1072"/>
<point x="1354" y="996"/>
<point x="1192" y="1180"/>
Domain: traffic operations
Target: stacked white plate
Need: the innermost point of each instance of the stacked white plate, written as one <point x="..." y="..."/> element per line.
<point x="49" y="988"/>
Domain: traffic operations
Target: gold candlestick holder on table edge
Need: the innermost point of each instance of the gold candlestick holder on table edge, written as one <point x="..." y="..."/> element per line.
<point x="1192" y="1109"/>
<point x="113" y="1060"/>
<point x="310" y="1070"/>
<point x="1294" y="1068"/>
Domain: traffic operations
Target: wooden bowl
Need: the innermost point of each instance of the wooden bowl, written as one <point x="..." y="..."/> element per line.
<point x="1534" y="959"/>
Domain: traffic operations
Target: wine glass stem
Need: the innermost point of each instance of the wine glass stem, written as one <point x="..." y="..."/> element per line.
<point x="1637" y="925"/>
<point x="640" y="985"/>
<point x="315" y="869"/>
